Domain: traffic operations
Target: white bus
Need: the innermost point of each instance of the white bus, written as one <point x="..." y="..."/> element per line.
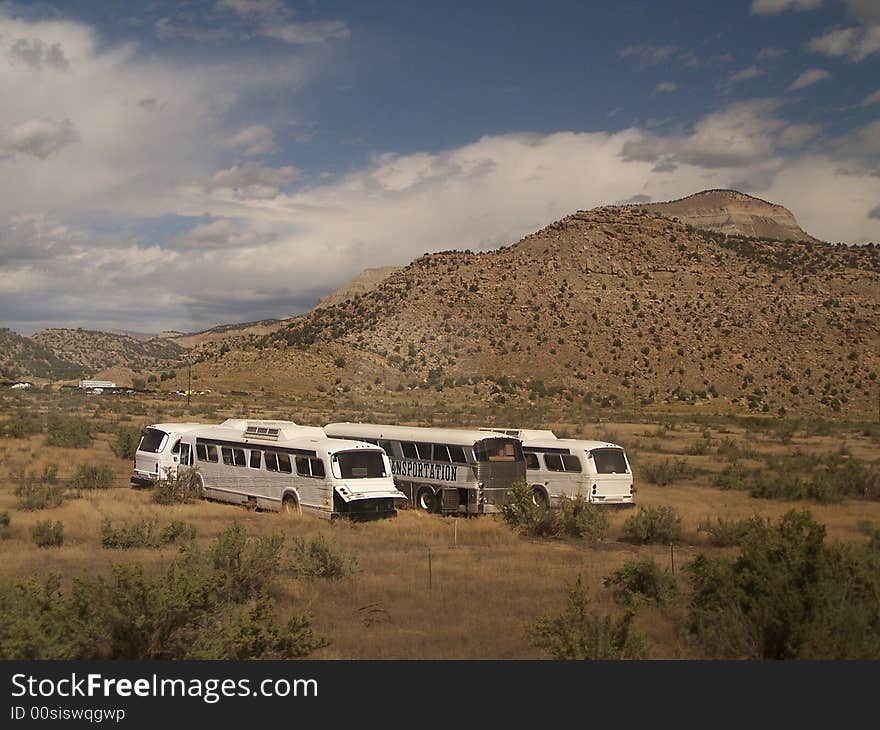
<point x="558" y="468"/>
<point x="445" y="470"/>
<point x="276" y="465"/>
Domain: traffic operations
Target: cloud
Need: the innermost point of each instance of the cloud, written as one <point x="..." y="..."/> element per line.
<point x="262" y="8"/>
<point x="864" y="11"/>
<point x="219" y="234"/>
<point x="752" y="72"/>
<point x="770" y="53"/>
<point x="665" y="87"/>
<point x="37" y="138"/>
<point x="874" y="213"/>
<point x="317" y="31"/>
<point x="808" y="78"/>
<point x="853" y="43"/>
<point x="253" y="181"/>
<point x="648" y="54"/>
<point x="797" y="135"/>
<point x="774" y="7"/>
<point x="35" y="53"/>
<point x="871" y="98"/>
<point x="252" y="141"/>
<point x="167" y="29"/>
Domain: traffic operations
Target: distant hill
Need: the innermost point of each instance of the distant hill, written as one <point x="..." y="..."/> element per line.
<point x="22" y="357"/>
<point x="611" y="305"/>
<point x="94" y="351"/>
<point x="734" y="213"/>
<point x="366" y="281"/>
<point x="225" y="331"/>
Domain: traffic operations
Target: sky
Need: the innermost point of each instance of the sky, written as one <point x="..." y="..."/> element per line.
<point x="179" y="165"/>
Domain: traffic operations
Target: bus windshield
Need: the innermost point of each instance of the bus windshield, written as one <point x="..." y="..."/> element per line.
<point x="498" y="450"/>
<point x="609" y="461"/>
<point x="360" y="465"/>
<point x="153" y="441"/>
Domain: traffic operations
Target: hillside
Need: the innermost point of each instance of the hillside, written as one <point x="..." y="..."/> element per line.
<point x="223" y="332"/>
<point x="613" y="305"/>
<point x="733" y="213"/>
<point x="22" y="357"/>
<point x="364" y="282"/>
<point x="95" y="351"/>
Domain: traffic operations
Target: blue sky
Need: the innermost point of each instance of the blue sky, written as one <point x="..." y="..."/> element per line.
<point x="185" y="164"/>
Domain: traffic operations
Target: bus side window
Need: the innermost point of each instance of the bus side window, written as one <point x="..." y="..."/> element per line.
<point x="553" y="462"/>
<point x="302" y="466"/>
<point x="409" y="450"/>
<point x="386" y="445"/>
<point x="317" y="467"/>
<point x="424" y="451"/>
<point x="176" y="448"/>
<point x="440" y="453"/>
<point x="238" y="455"/>
<point x="571" y="463"/>
<point x="531" y="461"/>
<point x="255" y="457"/>
<point x="456" y="453"/>
<point x="201" y="452"/>
<point x="284" y="463"/>
<point x="271" y="460"/>
<point x="227" y="455"/>
<point x="212" y="453"/>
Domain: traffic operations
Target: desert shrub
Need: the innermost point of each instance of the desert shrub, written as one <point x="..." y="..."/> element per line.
<point x="526" y="517"/>
<point x="320" y="559"/>
<point x="48" y="534"/>
<point x="777" y="486"/>
<point x="733" y="476"/>
<point x="144" y="534"/>
<point x="787" y="595"/>
<point x="641" y="581"/>
<point x="89" y="476"/>
<point x="21" y="425"/>
<point x="189" y="610"/>
<point x="654" y="524"/>
<point x="666" y="472"/>
<point x="725" y="533"/>
<point x="248" y="565"/>
<point x="4" y="525"/>
<point x="579" y="518"/>
<point x="699" y="448"/>
<point x="125" y="442"/>
<point x="69" y="432"/>
<point x="578" y="633"/>
<point x="730" y="450"/>
<point x="181" y="488"/>
<point x="39" y="491"/>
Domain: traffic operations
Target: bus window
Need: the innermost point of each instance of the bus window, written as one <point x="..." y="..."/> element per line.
<point x="212" y="453"/>
<point x="553" y="462"/>
<point x="385" y="444"/>
<point x="153" y="441"/>
<point x="531" y="461"/>
<point x="227" y="455"/>
<point x="440" y="453"/>
<point x="609" y="461"/>
<point x="256" y="456"/>
<point x="309" y="467"/>
<point x="238" y="456"/>
<point x="456" y="453"/>
<point x="495" y="450"/>
<point x="271" y="458"/>
<point x="424" y="451"/>
<point x="201" y="452"/>
<point x="176" y="448"/>
<point x="360" y="465"/>
<point x="409" y="450"/>
<point x="571" y="463"/>
<point x="317" y="468"/>
<point x="284" y="463"/>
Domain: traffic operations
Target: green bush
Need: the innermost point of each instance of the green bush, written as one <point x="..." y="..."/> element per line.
<point x="579" y="518"/>
<point x="667" y="472"/>
<point x="39" y="491"/>
<point x="211" y="604"/>
<point x="21" y="425"/>
<point x="655" y="525"/>
<point x="48" y="534"/>
<point x="181" y="488"/>
<point x="89" y="476"/>
<point x="787" y="595"/>
<point x="320" y="559"/>
<point x="125" y="442"/>
<point x="726" y="533"/>
<point x="526" y="517"/>
<point x="4" y="519"/>
<point x="68" y="431"/>
<point x="641" y="581"/>
<point x="733" y="476"/>
<point x="578" y="633"/>
<point x="144" y="534"/>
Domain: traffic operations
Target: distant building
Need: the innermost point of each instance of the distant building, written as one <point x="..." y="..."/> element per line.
<point x="23" y="385"/>
<point x="92" y="384"/>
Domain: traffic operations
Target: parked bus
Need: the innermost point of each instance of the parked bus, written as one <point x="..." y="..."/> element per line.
<point x="445" y="470"/>
<point x="276" y="465"/>
<point x="558" y="468"/>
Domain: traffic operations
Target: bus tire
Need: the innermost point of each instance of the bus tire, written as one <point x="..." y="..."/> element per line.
<point x="290" y="505"/>
<point x="540" y="498"/>
<point x="426" y="500"/>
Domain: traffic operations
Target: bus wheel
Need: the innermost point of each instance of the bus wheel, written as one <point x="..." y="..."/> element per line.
<point x="290" y="505"/>
<point x="539" y="498"/>
<point x="426" y="500"/>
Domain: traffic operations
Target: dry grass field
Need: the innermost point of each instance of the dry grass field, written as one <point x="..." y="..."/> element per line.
<point x="485" y="583"/>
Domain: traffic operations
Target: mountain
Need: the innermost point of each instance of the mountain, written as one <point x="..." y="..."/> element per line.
<point x="21" y="357"/>
<point x="733" y="213"/>
<point x="610" y="305"/>
<point x="224" y="331"/>
<point x="94" y="351"/>
<point x="364" y="282"/>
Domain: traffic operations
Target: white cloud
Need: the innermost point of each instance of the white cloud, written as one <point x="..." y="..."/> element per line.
<point x="752" y="72"/>
<point x="797" y="135"/>
<point x="864" y="11"/>
<point x="871" y="98"/>
<point x="270" y="8"/>
<point x="316" y="31"/>
<point x="770" y="52"/>
<point x="855" y="43"/>
<point x="36" y="138"/>
<point x="774" y="7"/>
<point x="648" y="54"/>
<point x="808" y="78"/>
<point x="219" y="234"/>
<point x="252" y="141"/>
<point x="665" y="87"/>
<point x="252" y="181"/>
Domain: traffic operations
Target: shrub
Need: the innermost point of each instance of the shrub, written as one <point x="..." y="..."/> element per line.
<point x="181" y="488"/>
<point x="725" y="533"/>
<point x="68" y="431"/>
<point x="89" y="476"/>
<point x="21" y="426"/>
<point x="699" y="448"/>
<point x="654" y="524"/>
<point x="666" y="472"/>
<point x="577" y="633"/>
<point x="320" y="559"/>
<point x="125" y="442"/>
<point x="39" y="491"/>
<point x="186" y="611"/>
<point x="248" y="566"/>
<point x="787" y="595"/>
<point x="523" y="515"/>
<point x="641" y="581"/>
<point x="4" y="525"/>
<point x="733" y="476"/>
<point x="48" y="534"/>
<point x="579" y="518"/>
<point x="144" y="534"/>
